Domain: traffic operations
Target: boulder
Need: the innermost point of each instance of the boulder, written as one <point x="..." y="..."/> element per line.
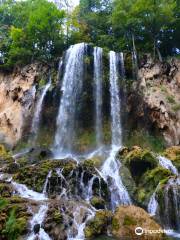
<point x="127" y="218"/>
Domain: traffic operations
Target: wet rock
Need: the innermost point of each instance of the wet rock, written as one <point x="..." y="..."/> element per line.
<point x="36" y="228"/>
<point x="98" y="203"/>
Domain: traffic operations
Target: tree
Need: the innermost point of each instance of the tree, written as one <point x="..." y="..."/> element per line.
<point x="34" y="31"/>
<point x="143" y="20"/>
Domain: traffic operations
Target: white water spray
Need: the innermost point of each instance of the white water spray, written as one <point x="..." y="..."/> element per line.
<point x="98" y="94"/>
<point x="110" y="169"/>
<point x="38" y="110"/>
<point x="71" y="90"/>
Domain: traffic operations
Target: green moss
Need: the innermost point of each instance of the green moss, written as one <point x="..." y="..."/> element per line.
<point x="57" y="217"/>
<point x="92" y="163"/>
<point x="115" y="224"/>
<point x="5" y="156"/>
<point x="170" y="99"/>
<point x="129" y="220"/>
<point x="98" y="203"/>
<point x="99" y="224"/>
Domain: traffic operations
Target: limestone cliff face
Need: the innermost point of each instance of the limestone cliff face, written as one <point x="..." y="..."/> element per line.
<point x="155" y="99"/>
<point x="17" y="96"/>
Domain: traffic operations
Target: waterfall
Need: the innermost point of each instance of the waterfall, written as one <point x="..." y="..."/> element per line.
<point x="46" y="183"/>
<point x="38" y="218"/>
<point x="71" y="90"/>
<point x="110" y="169"/>
<point x="152" y="205"/>
<point x="115" y="101"/>
<point x="122" y="65"/>
<point x="98" y="94"/>
<point x="79" y="222"/>
<point x="171" y="206"/>
<point x="166" y="163"/>
<point x="38" y="110"/>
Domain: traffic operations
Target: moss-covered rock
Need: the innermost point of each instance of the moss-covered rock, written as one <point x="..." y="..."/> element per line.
<point x="34" y="176"/>
<point x="138" y="161"/>
<point x="5" y="190"/>
<point x="149" y="182"/>
<point x="98" y="202"/>
<point x="92" y="163"/>
<point x="128" y="180"/>
<point x="5" y="156"/>
<point x="127" y="218"/>
<point x="99" y="225"/>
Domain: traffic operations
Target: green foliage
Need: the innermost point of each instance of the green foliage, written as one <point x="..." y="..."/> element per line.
<point x="30" y="30"/>
<point x="14" y="227"/>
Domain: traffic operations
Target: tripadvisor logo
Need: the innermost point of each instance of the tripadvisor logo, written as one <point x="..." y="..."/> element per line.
<point x="140" y="231"/>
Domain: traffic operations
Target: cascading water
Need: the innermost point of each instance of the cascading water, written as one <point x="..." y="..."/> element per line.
<point x="110" y="169"/>
<point x="38" y="110"/>
<point x="153" y="203"/>
<point x="115" y="101"/>
<point x="38" y="218"/>
<point x="166" y="163"/>
<point x="71" y="90"/>
<point x="78" y="223"/>
<point x="122" y="65"/>
<point x="98" y="94"/>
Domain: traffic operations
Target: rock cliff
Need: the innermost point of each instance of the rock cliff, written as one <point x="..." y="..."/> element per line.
<point x="154" y="99"/>
<point x="17" y="96"/>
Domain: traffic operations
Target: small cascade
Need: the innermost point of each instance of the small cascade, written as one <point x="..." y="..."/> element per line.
<point x="24" y="192"/>
<point x="38" y="218"/>
<point x="90" y="188"/>
<point x="98" y="94"/>
<point x="170" y="211"/>
<point x="38" y="110"/>
<point x="122" y="65"/>
<point x="110" y="172"/>
<point x="71" y="90"/>
<point x="46" y="183"/>
<point x="166" y="163"/>
<point x="153" y="205"/>
<point x="79" y="223"/>
<point x="63" y="193"/>
<point x="110" y="168"/>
